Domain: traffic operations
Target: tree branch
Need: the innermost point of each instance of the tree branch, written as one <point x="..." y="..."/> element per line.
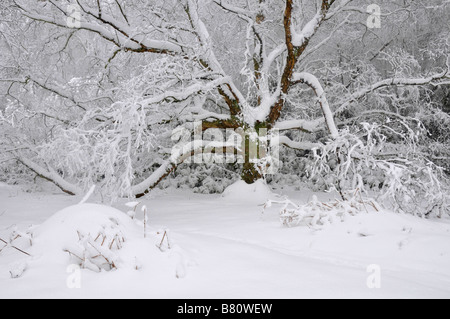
<point x="432" y="80"/>
<point x="314" y="84"/>
<point x="50" y="176"/>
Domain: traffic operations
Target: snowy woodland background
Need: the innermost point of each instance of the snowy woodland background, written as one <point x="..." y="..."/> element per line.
<point x="354" y="95"/>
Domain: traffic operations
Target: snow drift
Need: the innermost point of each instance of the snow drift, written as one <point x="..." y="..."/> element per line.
<point x="100" y="238"/>
<point x="257" y="193"/>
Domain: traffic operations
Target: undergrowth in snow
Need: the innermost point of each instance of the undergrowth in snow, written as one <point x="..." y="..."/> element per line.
<point x="318" y="214"/>
<point x="96" y="238"/>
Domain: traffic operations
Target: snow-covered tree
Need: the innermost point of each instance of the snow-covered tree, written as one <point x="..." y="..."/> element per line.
<point x="92" y="90"/>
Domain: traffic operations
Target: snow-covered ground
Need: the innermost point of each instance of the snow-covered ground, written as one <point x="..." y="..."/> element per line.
<point x="222" y="247"/>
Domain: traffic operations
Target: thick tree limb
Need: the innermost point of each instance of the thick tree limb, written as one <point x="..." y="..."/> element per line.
<point x="314" y="84"/>
<point x="296" y="44"/>
<point x="51" y="176"/>
<point x="177" y="158"/>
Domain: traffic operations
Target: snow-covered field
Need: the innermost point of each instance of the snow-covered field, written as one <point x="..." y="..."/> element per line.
<point x="221" y="247"/>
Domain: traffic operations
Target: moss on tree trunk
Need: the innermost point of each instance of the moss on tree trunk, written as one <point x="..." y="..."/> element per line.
<point x="250" y="173"/>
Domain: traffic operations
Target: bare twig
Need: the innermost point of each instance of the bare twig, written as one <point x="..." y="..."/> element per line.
<point x="110" y="263"/>
<point x="72" y="254"/>
<point x="144" y="209"/>
<point x="14" y="247"/>
<point x="165" y="236"/>
<point x="112" y="243"/>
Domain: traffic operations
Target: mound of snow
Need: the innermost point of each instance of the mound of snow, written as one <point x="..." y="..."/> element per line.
<point x="63" y="227"/>
<point x="257" y="193"/>
<point x="98" y="238"/>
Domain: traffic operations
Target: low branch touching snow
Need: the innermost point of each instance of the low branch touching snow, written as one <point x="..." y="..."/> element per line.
<point x="178" y="157"/>
<point x="51" y="176"/>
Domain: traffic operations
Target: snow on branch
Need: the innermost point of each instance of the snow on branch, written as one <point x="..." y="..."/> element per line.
<point x="406" y="180"/>
<point x="246" y="14"/>
<point x="271" y="57"/>
<point x="48" y="87"/>
<point x="436" y="79"/>
<point x="50" y="175"/>
<point x="108" y="28"/>
<point x="300" y="38"/>
<point x="312" y="81"/>
<point x="207" y="56"/>
<point x="179" y="155"/>
<point x="304" y="146"/>
<point x="313" y="126"/>
<point x="186" y="92"/>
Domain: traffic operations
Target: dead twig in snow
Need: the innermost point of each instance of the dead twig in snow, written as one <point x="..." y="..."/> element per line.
<point x="109" y="263"/>
<point x="165" y="236"/>
<point x="72" y="254"/>
<point x="18" y="249"/>
<point x="144" y="210"/>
